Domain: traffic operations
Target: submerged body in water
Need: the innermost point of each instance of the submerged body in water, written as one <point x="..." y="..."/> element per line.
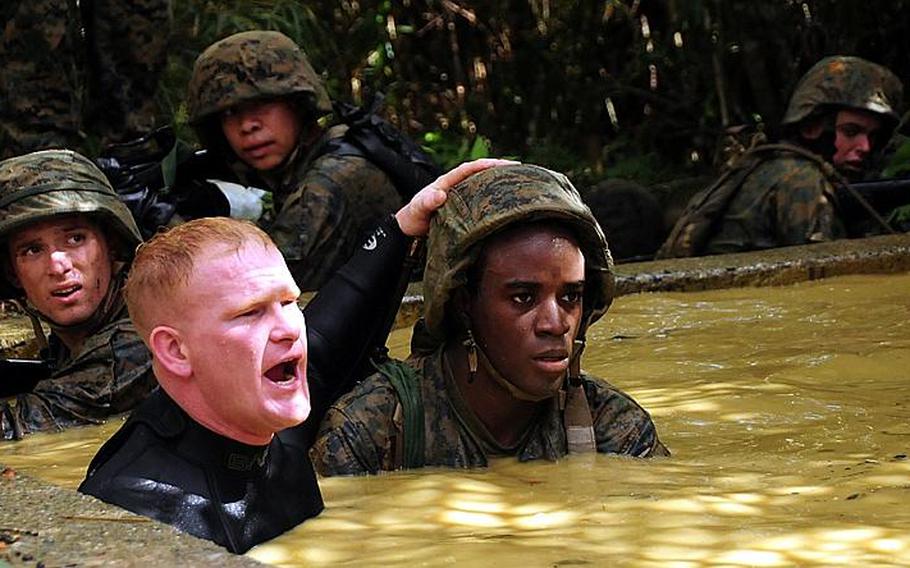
<point x="785" y="409"/>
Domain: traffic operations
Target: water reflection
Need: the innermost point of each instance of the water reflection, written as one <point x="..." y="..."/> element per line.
<point x="786" y="410"/>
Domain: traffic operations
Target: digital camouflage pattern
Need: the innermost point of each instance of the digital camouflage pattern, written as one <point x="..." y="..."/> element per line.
<point x="249" y="66"/>
<point x="323" y="203"/>
<point x="778" y="195"/>
<point x="324" y="206"/>
<point x="111" y="372"/>
<point x="359" y="433"/>
<point x="851" y="82"/>
<point x="58" y="83"/>
<point x="362" y="432"/>
<point x="774" y="196"/>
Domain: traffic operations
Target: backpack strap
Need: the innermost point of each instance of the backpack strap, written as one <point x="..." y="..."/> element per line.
<point x="372" y="137"/>
<point x="410" y="441"/>
<point x="840" y="182"/>
<point x="701" y="216"/>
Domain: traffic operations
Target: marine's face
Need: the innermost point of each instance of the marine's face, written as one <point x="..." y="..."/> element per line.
<point x="64" y="266"/>
<point x="528" y="306"/>
<point x="262" y="133"/>
<point x="245" y="340"/>
<point x="854" y="139"/>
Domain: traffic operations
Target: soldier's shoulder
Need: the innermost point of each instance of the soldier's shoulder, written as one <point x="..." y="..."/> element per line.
<point x="783" y="161"/>
<point x="784" y="169"/>
<point x="343" y="168"/>
<point x="374" y="395"/>
<point x="621" y="424"/>
<point x="601" y="393"/>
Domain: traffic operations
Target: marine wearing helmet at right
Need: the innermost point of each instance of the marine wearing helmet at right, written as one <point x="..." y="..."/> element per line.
<point x="518" y="269"/>
<point x="841" y="114"/>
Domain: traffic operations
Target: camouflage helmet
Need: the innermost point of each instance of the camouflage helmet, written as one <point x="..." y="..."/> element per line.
<point x="492" y="200"/>
<point x="52" y="183"/>
<point x="248" y="66"/>
<point x="850" y="82"/>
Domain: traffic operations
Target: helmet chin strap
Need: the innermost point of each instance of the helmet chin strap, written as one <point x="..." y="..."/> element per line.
<point x="576" y="416"/>
<point x="476" y="355"/>
<point x="569" y="392"/>
<point x="514" y="390"/>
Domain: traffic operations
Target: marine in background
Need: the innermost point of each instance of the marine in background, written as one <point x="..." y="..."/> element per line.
<point x="261" y="110"/>
<point x="66" y="243"/>
<point x="517" y="272"/>
<point x="840" y="116"/>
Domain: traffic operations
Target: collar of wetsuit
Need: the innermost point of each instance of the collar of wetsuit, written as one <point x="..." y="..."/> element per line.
<point x="197" y="443"/>
<point x="205" y="447"/>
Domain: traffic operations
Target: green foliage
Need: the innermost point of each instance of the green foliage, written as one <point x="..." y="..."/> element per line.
<point x="449" y="151"/>
<point x="899" y="164"/>
<point x="630" y="88"/>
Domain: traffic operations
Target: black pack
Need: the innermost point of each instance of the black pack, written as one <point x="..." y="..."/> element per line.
<point x="372" y="137"/>
<point x="141" y="171"/>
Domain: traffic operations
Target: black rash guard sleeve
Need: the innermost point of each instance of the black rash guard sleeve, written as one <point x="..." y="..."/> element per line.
<point x="347" y="314"/>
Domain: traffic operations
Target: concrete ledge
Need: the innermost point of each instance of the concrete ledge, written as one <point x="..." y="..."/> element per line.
<point x="775" y="267"/>
<point x="41" y="524"/>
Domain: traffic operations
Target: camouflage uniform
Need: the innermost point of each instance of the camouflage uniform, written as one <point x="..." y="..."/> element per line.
<point x="111" y="372"/>
<point x="52" y="77"/>
<point x="363" y="432"/>
<point x="324" y="203"/>
<point x="784" y="194"/>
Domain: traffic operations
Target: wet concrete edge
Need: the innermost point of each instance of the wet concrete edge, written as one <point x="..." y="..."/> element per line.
<point x="58" y="526"/>
<point x="776" y="267"/>
<point x="42" y="524"/>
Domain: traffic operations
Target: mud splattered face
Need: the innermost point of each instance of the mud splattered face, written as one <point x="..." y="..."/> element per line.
<point x="64" y="266"/>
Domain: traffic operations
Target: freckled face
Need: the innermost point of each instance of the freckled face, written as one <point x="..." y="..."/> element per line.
<point x="63" y="265"/>
<point x="246" y="339"/>
<point x="528" y="306"/>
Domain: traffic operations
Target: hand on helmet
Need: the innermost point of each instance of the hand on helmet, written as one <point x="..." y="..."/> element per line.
<point x="414" y="217"/>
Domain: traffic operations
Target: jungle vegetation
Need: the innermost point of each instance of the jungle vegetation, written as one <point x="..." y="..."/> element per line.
<point x="638" y="89"/>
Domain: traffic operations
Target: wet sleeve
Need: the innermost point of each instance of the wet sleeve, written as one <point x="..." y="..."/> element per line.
<point x="356" y="435"/>
<point x="112" y="375"/>
<point x="804" y="208"/>
<point x="314" y="231"/>
<point x="621" y="426"/>
<point x="350" y="314"/>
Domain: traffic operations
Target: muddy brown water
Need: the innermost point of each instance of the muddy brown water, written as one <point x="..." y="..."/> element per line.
<point x="786" y="410"/>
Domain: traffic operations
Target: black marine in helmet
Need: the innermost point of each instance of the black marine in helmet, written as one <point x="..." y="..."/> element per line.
<point x="517" y="271"/>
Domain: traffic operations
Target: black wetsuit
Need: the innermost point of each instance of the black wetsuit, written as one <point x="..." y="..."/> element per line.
<point x="164" y="465"/>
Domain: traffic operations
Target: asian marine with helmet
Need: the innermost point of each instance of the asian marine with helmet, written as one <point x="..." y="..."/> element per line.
<point x="259" y="109"/>
<point x="840" y="116"/>
<point x="517" y="271"/>
<point x="66" y="242"/>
